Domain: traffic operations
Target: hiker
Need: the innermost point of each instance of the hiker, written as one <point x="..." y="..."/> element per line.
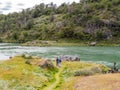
<point x="58" y="62"/>
<point x="115" y="67"/>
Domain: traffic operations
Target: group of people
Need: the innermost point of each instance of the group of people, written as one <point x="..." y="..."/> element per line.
<point x="66" y="58"/>
<point x="58" y="62"/>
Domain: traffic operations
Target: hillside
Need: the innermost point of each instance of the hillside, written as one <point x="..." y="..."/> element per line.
<point x="89" y="20"/>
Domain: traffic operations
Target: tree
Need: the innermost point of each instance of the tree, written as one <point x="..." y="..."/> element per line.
<point x="15" y="36"/>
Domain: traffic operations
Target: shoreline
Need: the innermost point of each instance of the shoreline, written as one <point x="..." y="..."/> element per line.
<point x="67" y="42"/>
<point x="52" y="59"/>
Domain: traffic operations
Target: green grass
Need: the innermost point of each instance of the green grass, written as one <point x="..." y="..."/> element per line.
<point x="73" y="69"/>
<point x="18" y="75"/>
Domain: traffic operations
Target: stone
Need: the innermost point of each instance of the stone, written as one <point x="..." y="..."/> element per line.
<point x="93" y="44"/>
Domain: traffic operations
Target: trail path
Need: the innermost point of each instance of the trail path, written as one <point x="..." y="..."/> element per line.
<point x="57" y="80"/>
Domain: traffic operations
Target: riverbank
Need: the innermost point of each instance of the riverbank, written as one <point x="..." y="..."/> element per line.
<point x="68" y="43"/>
<point x="25" y="72"/>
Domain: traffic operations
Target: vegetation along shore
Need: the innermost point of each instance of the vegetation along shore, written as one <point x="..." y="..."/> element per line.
<point x="34" y="73"/>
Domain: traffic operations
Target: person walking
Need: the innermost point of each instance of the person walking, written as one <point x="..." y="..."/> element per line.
<point x="58" y="62"/>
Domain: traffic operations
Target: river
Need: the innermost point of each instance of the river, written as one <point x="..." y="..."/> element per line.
<point x="104" y="55"/>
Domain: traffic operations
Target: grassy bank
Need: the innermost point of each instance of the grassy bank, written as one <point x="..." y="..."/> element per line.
<point x="68" y="42"/>
<point x="25" y="73"/>
<point x="16" y="74"/>
<point x="78" y="69"/>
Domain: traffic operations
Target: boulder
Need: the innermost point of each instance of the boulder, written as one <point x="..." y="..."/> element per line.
<point x="69" y="58"/>
<point x="46" y="64"/>
<point x="93" y="44"/>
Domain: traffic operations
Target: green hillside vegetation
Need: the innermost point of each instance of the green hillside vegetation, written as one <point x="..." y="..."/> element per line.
<point x="88" y="20"/>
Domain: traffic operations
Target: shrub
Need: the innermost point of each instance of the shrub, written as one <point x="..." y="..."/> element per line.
<point x="83" y="72"/>
<point x="28" y="62"/>
<point x="96" y="69"/>
<point x="1" y="40"/>
<point x="104" y="69"/>
<point x="23" y="55"/>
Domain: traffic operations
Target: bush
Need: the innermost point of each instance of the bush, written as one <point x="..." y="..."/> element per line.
<point x="96" y="69"/>
<point x="83" y="72"/>
<point x="1" y="40"/>
<point x="104" y="69"/>
<point x="28" y="62"/>
<point x="23" y="55"/>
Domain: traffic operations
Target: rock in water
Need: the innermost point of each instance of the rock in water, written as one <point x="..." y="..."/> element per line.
<point x="93" y="44"/>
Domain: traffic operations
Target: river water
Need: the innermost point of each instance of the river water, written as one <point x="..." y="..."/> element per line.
<point x="104" y="55"/>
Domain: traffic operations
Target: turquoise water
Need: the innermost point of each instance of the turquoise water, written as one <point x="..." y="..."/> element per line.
<point x="104" y="55"/>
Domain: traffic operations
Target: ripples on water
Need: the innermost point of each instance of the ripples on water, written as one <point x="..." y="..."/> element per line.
<point x="105" y="55"/>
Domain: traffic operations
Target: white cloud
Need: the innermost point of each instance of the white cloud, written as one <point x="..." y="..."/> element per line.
<point x="8" y="6"/>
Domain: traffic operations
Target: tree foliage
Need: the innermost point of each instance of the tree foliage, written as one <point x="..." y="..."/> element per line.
<point x="88" y="19"/>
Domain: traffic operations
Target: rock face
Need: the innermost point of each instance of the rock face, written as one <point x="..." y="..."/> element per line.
<point x="69" y="58"/>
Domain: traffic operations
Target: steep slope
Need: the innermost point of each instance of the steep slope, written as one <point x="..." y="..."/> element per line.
<point x="86" y="21"/>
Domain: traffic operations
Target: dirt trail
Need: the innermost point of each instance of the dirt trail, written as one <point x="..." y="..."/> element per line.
<point x="57" y="80"/>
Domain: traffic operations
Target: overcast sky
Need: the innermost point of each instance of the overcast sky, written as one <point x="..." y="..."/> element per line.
<point x="9" y="6"/>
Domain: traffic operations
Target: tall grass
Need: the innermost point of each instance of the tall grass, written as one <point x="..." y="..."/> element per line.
<point x="15" y="74"/>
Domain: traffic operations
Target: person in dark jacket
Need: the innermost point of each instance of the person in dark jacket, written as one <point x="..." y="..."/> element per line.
<point x="58" y="62"/>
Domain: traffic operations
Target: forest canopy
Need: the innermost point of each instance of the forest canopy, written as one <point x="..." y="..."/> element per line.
<point x="86" y="20"/>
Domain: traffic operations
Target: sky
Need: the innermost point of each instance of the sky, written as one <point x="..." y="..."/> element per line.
<point x="9" y="6"/>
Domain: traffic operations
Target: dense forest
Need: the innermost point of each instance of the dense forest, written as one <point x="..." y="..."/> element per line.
<point x="86" y="21"/>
